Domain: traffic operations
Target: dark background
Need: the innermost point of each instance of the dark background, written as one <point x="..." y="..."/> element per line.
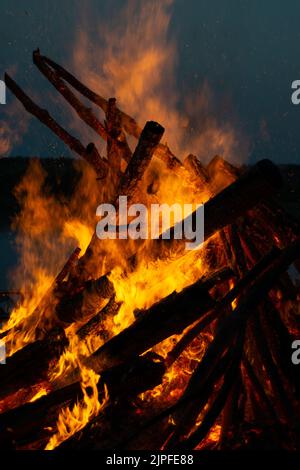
<point x="247" y="50"/>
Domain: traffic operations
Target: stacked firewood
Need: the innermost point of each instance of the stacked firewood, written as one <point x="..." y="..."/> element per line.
<point x="245" y="382"/>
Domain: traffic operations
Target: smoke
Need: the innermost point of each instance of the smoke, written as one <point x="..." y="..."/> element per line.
<point x="13" y="127"/>
<point x="134" y="57"/>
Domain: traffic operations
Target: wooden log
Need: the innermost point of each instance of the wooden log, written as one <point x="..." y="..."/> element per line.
<point x="94" y="159"/>
<point x="150" y="137"/>
<point x="197" y="172"/>
<point x="37" y="355"/>
<point x="94" y="327"/>
<point x="67" y="268"/>
<point x="128" y="123"/>
<point x="87" y="302"/>
<point x="232" y="326"/>
<point x="29" y="365"/>
<point x="185" y="399"/>
<point x="49" y="299"/>
<point x="117" y="146"/>
<point x="135" y="170"/>
<point x="32" y="420"/>
<point x="214" y="410"/>
<point x="113" y="126"/>
<point x="221" y="173"/>
<point x="286" y="408"/>
<point x="258" y="183"/>
<point x="86" y="114"/>
<point x="161" y="320"/>
<point x="233" y="412"/>
<point x="281" y="334"/>
<point x="237" y="250"/>
<point x="258" y="388"/>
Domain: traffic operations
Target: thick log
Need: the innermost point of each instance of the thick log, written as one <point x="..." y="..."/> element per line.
<point x="165" y="318"/>
<point x="94" y="159"/>
<point x="36" y="356"/>
<point x="32" y="420"/>
<point x="29" y="366"/>
<point x="135" y="170"/>
<point x="221" y="173"/>
<point x="161" y="320"/>
<point x="185" y="400"/>
<point x="87" y="302"/>
<point x="94" y="327"/>
<point x="258" y="183"/>
<point x="239" y="258"/>
<point x="150" y="137"/>
<point x="69" y="265"/>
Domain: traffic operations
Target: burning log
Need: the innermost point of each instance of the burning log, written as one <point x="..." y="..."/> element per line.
<point x="92" y="157"/>
<point x="135" y="170"/>
<point x="38" y="355"/>
<point x="94" y="327"/>
<point x="197" y="171"/>
<point x="50" y="298"/>
<point x="257" y="184"/>
<point x="115" y="138"/>
<point x="128" y="123"/>
<point x="160" y="321"/>
<point x="241" y="286"/>
<point x="85" y="303"/>
<point x="86" y="114"/>
<point x="29" y="365"/>
<point x="201" y="381"/>
<point x="235" y="323"/>
<point x="148" y="141"/>
<point x="83" y="112"/>
<point x="281" y="399"/>
<point x="32" y="420"/>
<point x="218" y="403"/>
<point x="258" y="388"/>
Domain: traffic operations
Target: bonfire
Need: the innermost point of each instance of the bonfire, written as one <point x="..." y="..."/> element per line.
<point x="143" y="344"/>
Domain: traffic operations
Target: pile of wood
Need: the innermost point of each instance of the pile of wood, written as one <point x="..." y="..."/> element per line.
<point x="244" y="383"/>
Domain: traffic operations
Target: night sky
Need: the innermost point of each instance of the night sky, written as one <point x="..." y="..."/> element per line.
<point x="248" y="51"/>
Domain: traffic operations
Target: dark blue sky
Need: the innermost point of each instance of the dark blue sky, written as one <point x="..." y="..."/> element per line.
<point x="247" y="50"/>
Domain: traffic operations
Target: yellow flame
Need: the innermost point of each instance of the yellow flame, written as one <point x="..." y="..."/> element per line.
<point x="73" y="420"/>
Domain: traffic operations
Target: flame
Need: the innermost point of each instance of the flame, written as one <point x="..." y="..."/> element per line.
<point x="42" y="392"/>
<point x="142" y="77"/>
<point x="141" y="74"/>
<point x="71" y="421"/>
